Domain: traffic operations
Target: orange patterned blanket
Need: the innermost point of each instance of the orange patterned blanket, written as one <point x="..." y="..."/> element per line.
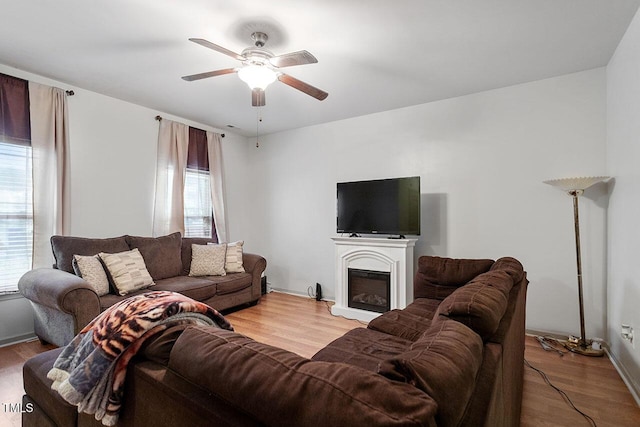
<point x="91" y="370"/>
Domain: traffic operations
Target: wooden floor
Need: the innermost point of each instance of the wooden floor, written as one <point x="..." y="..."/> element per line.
<point x="303" y="325"/>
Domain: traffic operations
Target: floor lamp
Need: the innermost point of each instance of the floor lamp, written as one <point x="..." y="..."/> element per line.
<point x="575" y="187"/>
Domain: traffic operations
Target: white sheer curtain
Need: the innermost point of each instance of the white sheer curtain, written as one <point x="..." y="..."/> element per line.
<point x="173" y="145"/>
<point x="214" y="147"/>
<point x="50" y="151"/>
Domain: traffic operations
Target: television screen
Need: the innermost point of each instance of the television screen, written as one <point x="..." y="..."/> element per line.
<point x="382" y="206"/>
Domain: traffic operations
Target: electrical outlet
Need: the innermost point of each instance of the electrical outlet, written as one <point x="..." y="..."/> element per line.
<point x="627" y="333"/>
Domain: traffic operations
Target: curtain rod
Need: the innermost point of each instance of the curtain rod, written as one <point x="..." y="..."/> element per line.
<point x="159" y="118"/>
<point x="70" y="92"/>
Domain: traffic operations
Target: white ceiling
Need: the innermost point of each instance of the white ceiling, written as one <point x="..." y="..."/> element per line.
<point x="373" y="55"/>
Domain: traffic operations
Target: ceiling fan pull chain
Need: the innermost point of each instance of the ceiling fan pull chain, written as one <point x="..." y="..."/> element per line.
<point x="258" y="120"/>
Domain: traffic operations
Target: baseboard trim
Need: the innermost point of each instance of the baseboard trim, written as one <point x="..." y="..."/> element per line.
<point x="297" y="294"/>
<point x="17" y="339"/>
<point x="631" y="385"/>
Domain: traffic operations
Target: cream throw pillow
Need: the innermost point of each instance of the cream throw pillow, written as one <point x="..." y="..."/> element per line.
<point x="128" y="271"/>
<point x="90" y="268"/>
<point x="233" y="263"/>
<point x="208" y="260"/>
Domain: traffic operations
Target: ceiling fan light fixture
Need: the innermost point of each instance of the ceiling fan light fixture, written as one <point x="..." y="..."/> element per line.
<point x="257" y="76"/>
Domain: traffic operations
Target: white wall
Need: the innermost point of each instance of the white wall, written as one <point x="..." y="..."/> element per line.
<point x="482" y="159"/>
<point x="623" y="155"/>
<point x="113" y="159"/>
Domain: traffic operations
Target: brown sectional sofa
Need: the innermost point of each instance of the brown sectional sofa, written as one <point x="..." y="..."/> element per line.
<point x="453" y="357"/>
<point x="64" y="303"/>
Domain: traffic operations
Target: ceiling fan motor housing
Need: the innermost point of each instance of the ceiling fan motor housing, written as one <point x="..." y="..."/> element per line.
<point x="259" y="38"/>
<point x="256" y="56"/>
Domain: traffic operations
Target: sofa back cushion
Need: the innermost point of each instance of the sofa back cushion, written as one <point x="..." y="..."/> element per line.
<point x="281" y="388"/>
<point x="481" y="303"/>
<point x="162" y="255"/>
<point x="438" y="277"/>
<point x="400" y="323"/>
<point x="511" y="266"/>
<point x="443" y="363"/>
<point x="65" y="247"/>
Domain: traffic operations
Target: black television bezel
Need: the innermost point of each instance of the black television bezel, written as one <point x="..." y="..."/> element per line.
<point x="400" y="233"/>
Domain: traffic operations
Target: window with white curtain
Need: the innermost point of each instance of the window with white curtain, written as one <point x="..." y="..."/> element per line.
<point x="16" y="214"/>
<point x="198" y="210"/>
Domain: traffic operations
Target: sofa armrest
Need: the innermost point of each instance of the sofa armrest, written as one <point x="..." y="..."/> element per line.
<point x="255" y="265"/>
<point x="280" y="388"/>
<point x="61" y="291"/>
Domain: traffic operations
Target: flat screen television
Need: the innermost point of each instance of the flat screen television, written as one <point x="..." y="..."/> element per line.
<point x="381" y="206"/>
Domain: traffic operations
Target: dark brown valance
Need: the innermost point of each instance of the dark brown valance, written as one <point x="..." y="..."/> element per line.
<point x="197" y="156"/>
<point x="15" y="124"/>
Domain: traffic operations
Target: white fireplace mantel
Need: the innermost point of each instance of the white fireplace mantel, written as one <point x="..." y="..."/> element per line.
<point x="394" y="256"/>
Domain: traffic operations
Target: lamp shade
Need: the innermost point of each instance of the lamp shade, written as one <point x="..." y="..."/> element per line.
<point x="577" y="183"/>
<point x="257" y="76"/>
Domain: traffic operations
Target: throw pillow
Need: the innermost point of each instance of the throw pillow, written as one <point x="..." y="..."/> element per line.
<point x="233" y="262"/>
<point x="128" y="271"/>
<point x="208" y="260"/>
<point x="90" y="268"/>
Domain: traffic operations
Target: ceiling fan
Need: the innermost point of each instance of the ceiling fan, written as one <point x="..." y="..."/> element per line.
<point x="260" y="67"/>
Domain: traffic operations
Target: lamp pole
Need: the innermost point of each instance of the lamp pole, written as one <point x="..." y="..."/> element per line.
<point x="576" y="221"/>
<point x="575" y="188"/>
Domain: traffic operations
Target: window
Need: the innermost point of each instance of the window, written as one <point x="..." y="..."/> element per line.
<point x="198" y="211"/>
<point x="16" y="215"/>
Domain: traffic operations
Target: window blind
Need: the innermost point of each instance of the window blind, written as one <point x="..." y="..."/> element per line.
<point x="16" y="214"/>
<point x="198" y="211"/>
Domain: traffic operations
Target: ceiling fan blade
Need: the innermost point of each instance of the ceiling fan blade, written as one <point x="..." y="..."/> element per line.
<point x="258" y="98"/>
<point x="301" y="57"/>
<point x="206" y="43"/>
<point x="208" y="74"/>
<point x="303" y="87"/>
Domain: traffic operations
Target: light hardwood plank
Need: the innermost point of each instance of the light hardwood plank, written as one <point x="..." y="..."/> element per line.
<point x="592" y="383"/>
<point x="304" y="326"/>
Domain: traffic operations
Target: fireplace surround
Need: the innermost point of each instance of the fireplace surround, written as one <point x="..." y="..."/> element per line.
<point x="376" y="256"/>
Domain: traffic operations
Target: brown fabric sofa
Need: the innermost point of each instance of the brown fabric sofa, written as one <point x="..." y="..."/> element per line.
<point x="64" y="303"/>
<point x="453" y="357"/>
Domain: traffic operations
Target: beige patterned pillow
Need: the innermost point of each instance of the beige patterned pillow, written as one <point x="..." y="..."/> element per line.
<point x="90" y="269"/>
<point x="233" y="263"/>
<point x="128" y="271"/>
<point x="208" y="260"/>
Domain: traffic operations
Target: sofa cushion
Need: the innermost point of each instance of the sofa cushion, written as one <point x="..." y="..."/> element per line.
<point x="159" y="346"/>
<point x="162" y="255"/>
<point x="511" y="266"/>
<point x="401" y="323"/>
<point x="198" y="288"/>
<point x="65" y="247"/>
<point x="443" y="363"/>
<point x="423" y="307"/>
<point x="437" y="277"/>
<point x="281" y="388"/>
<point x="481" y="303"/>
<point x="208" y="260"/>
<point x="185" y="250"/>
<point x="232" y="282"/>
<point x="38" y="387"/>
<point x="364" y="348"/>
<point x="127" y="270"/>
